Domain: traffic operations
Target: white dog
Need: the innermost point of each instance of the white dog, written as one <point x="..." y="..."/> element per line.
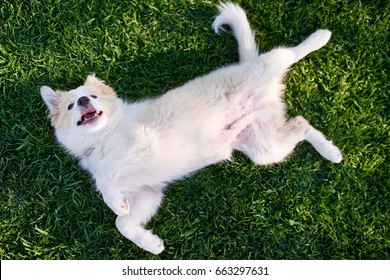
<point x="133" y="150"/>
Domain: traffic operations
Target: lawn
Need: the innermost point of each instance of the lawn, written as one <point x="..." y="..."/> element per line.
<point x="303" y="208"/>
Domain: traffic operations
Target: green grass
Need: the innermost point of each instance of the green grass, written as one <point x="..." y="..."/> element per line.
<point x="303" y="208"/>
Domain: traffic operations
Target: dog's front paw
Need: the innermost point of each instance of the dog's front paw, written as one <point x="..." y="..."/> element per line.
<point x="121" y="209"/>
<point x="118" y="203"/>
<point x="152" y="243"/>
<point x="141" y="237"/>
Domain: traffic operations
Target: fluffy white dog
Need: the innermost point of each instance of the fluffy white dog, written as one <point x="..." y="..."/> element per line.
<point x="133" y="150"/>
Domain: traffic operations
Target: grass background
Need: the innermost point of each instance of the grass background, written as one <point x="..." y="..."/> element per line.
<point x="303" y="208"/>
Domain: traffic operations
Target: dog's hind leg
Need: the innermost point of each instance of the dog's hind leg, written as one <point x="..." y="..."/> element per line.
<point x="298" y="129"/>
<point x="323" y="146"/>
<point x="265" y="145"/>
<point x="274" y="146"/>
<point x="314" y="42"/>
<point x="277" y="61"/>
<point x="143" y="206"/>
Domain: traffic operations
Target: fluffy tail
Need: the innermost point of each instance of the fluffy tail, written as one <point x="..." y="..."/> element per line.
<point x="234" y="16"/>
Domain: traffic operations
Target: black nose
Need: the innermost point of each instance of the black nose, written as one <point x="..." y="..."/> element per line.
<point x="83" y="101"/>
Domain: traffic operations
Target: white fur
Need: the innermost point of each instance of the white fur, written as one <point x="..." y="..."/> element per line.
<point x="134" y="149"/>
<point x="235" y="17"/>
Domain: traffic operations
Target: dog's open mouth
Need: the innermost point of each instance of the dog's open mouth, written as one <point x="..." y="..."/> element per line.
<point x="89" y="117"/>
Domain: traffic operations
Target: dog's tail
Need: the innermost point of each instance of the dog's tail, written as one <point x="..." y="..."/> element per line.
<point x="234" y="16"/>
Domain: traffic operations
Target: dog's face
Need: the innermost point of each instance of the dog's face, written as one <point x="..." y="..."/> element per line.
<point x="82" y="110"/>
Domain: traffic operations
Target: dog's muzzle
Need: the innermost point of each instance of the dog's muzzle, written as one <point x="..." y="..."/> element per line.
<point x="88" y="112"/>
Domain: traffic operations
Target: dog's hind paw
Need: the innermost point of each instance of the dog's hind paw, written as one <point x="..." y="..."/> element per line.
<point x="319" y="38"/>
<point x="332" y="153"/>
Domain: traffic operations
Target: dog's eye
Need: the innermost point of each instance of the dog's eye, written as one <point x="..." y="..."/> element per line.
<point x="70" y="106"/>
<point x="94" y="96"/>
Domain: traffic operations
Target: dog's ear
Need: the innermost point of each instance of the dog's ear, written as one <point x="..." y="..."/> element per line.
<point x="95" y="82"/>
<point x="52" y="99"/>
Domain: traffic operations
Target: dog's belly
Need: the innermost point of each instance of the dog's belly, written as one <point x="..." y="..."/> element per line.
<point x="184" y="154"/>
<point x="197" y="125"/>
<point x="174" y="154"/>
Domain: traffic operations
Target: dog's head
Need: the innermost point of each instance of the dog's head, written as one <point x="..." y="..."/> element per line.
<point x="84" y="109"/>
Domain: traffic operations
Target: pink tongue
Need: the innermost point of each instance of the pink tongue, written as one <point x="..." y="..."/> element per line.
<point x="88" y="116"/>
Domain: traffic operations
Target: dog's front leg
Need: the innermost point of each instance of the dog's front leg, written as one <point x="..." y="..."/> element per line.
<point x="144" y="204"/>
<point x="113" y="197"/>
<point x="117" y="202"/>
